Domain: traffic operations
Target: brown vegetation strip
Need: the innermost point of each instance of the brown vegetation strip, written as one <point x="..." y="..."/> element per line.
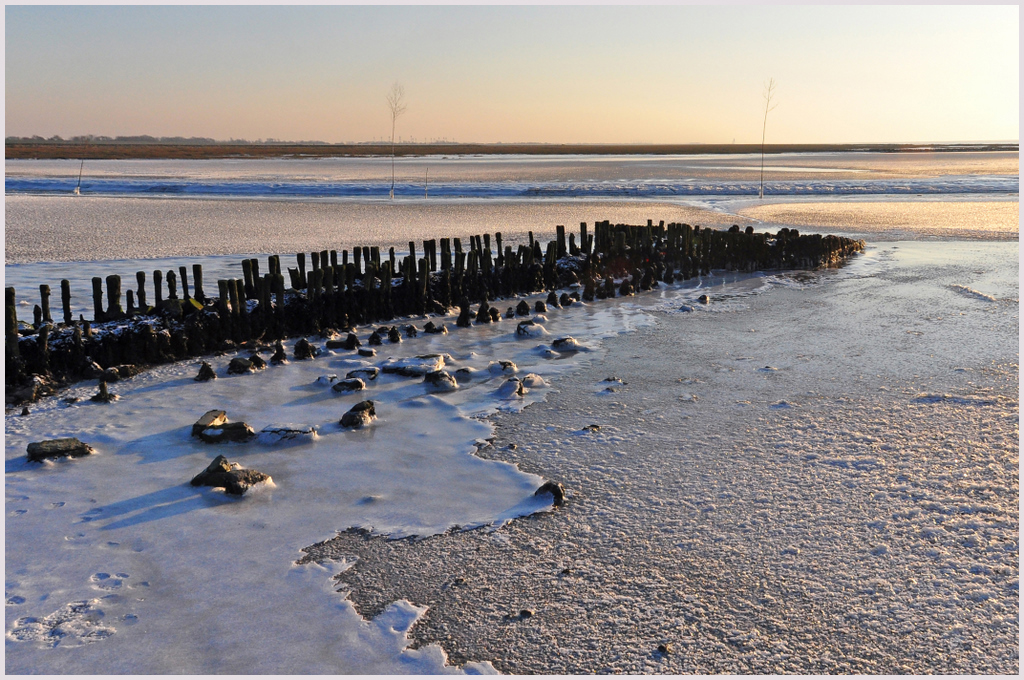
<point x="121" y="150"/>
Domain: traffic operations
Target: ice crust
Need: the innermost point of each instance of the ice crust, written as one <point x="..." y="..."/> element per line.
<point x="198" y="564"/>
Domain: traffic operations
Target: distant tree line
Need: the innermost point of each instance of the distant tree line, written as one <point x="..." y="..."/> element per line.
<point x="144" y="139"/>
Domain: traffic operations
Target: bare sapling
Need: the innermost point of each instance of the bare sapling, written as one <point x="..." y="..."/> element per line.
<point x="396" y="106"/>
<point x="769" y="94"/>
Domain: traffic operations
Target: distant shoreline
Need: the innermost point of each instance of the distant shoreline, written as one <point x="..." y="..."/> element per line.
<point x="140" y="150"/>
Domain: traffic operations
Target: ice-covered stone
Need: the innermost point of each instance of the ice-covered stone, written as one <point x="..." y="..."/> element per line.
<point x="67" y="447"/>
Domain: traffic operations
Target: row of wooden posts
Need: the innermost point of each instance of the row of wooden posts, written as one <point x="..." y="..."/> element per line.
<point x="341" y="292"/>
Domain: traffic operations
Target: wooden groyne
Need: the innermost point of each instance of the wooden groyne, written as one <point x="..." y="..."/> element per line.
<point x="176" y="318"/>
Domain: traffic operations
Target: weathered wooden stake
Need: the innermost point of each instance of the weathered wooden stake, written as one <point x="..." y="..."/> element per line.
<point x="97" y="298"/>
<point x="65" y="300"/>
<point x="44" y="300"/>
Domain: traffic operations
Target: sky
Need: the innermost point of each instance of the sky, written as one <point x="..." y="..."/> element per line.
<point x="572" y="74"/>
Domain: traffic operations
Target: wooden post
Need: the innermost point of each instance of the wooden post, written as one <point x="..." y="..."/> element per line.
<point x="247" y="277"/>
<point x="44" y="301"/>
<point x="560" y="234"/>
<point x="114" y="296"/>
<point x="11" y="323"/>
<point x="301" y="259"/>
<point x="197" y="283"/>
<point x="172" y="285"/>
<point x="97" y="298"/>
<point x="65" y="300"/>
<point x="140" y="280"/>
<point x="184" y="282"/>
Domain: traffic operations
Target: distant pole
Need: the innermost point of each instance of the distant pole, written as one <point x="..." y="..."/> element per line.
<point x="78" y="189"/>
<point x="769" y="92"/>
<point x="426" y="177"/>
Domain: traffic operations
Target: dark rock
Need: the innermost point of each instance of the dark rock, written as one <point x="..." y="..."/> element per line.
<point x="276" y="434"/>
<point x="565" y="300"/>
<point x="431" y="328"/>
<point x="528" y="329"/>
<point x="375" y="339"/>
<point x="465" y="374"/>
<point x="351" y="342"/>
<point x="349" y="385"/>
<point x="591" y="428"/>
<point x="227" y="432"/>
<point x="170" y="309"/>
<point x="258" y="364"/>
<point x="411" y="331"/>
<point x="231" y="476"/>
<point x="503" y="367"/>
<point x="25" y="411"/>
<point x="206" y="372"/>
<point x="523" y="308"/>
<point x="38" y="387"/>
<point x="626" y="287"/>
<point x="125" y="371"/>
<point x="704" y="299"/>
<point x="465" y="317"/>
<point x="525" y="613"/>
<point x="552" y="299"/>
<point x="103" y="396"/>
<point x="394" y="335"/>
<point x="369" y="373"/>
<point x="495" y="314"/>
<point x="414" y="367"/>
<point x="279" y="355"/>
<point x="440" y="381"/>
<point x="540" y="307"/>
<point x="359" y="415"/>
<point x="512" y="388"/>
<point x="337" y="344"/>
<point x="304" y="350"/>
<point x="367" y="352"/>
<point x="212" y="418"/>
<point x="68" y="447"/>
<point x="566" y="345"/>
<point x="93" y="371"/>
<point x="483" y="315"/>
<point x="435" y="307"/>
<point x="556" y="490"/>
<point x="239" y="365"/>
<point x="510" y="313"/>
<point x="665" y="649"/>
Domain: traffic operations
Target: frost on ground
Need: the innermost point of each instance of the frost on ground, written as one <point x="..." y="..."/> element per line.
<point x="871" y="527"/>
<point x="853" y="508"/>
<point x="207" y="566"/>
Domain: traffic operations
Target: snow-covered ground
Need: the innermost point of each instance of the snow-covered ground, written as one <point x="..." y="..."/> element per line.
<point x="822" y="478"/>
<point x="801" y="440"/>
<point x="208" y="581"/>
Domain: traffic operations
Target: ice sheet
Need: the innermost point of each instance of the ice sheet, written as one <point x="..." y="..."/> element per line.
<point x="210" y="579"/>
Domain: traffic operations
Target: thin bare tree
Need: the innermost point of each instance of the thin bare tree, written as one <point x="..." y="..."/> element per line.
<point x="769" y="94"/>
<point x="396" y="105"/>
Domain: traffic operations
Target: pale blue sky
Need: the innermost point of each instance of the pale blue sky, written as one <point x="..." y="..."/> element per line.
<point x="511" y="74"/>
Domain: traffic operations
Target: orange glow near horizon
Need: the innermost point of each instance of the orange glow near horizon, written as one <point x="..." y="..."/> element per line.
<point x="516" y="74"/>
